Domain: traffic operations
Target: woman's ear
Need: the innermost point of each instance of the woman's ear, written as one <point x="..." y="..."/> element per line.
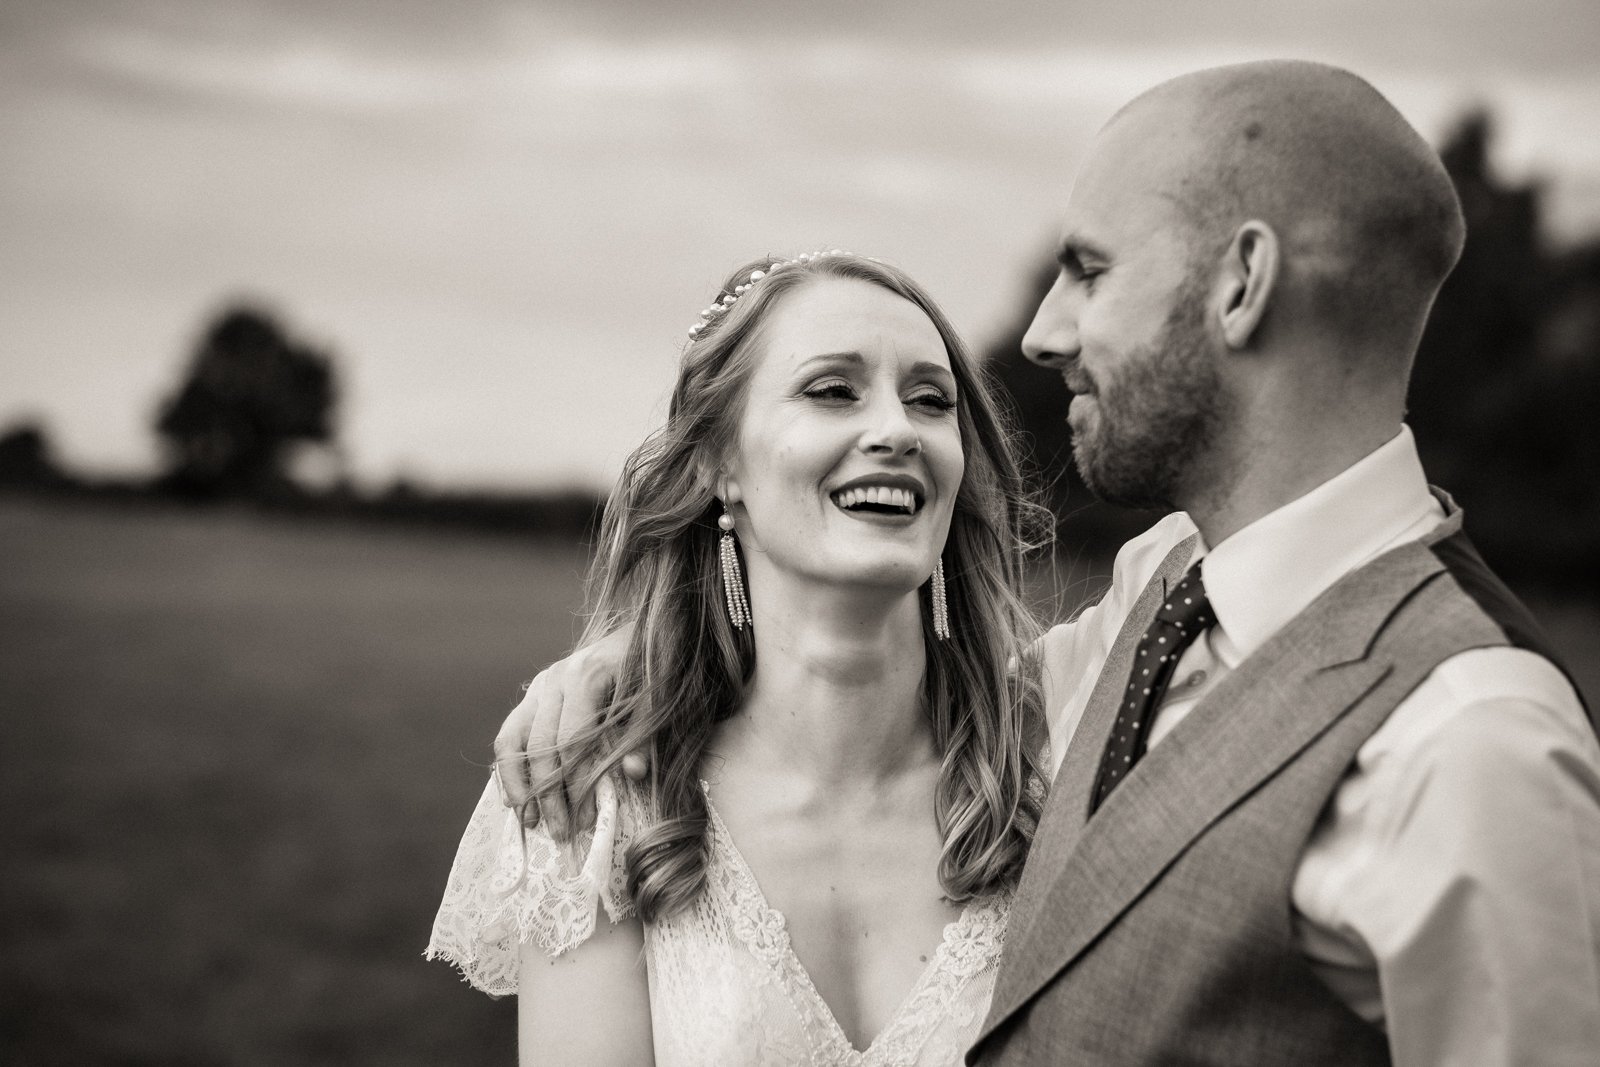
<point x="1250" y="274"/>
<point x="717" y="481"/>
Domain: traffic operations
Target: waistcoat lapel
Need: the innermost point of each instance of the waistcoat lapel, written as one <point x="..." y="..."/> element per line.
<point x="1068" y="802"/>
<point x="1278" y="702"/>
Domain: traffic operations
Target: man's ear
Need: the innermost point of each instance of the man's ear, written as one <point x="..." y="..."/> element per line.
<point x="1250" y="274"/>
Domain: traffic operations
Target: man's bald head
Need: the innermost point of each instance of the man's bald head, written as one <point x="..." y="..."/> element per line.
<point x="1368" y="218"/>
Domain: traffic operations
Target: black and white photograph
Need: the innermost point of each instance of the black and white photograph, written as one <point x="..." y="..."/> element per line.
<point x="911" y="534"/>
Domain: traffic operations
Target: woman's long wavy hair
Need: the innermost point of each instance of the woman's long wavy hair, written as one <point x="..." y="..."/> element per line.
<point x="686" y="667"/>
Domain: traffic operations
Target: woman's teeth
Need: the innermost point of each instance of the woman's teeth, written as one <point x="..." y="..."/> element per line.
<point x="876" y="497"/>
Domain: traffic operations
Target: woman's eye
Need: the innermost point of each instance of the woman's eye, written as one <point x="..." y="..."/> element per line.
<point x="831" y="391"/>
<point x="933" y="401"/>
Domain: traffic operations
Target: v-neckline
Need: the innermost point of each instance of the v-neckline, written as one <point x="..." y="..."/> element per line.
<point x="764" y="931"/>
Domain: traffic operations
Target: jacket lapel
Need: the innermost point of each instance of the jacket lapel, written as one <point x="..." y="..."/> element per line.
<point x="1256" y="720"/>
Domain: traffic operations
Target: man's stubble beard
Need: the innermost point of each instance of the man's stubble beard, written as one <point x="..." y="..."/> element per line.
<point x="1157" y="416"/>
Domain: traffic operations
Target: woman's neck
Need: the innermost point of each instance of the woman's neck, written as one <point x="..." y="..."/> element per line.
<point x="836" y="697"/>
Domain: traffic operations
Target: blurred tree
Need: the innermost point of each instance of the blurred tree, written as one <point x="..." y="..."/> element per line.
<point x="1508" y="377"/>
<point x="251" y="396"/>
<point x="1483" y="333"/>
<point x="27" y="459"/>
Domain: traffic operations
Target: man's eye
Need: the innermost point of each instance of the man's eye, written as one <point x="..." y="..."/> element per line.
<point x="1079" y="271"/>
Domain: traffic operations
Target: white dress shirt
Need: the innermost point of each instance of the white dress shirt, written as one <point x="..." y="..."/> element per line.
<point x="1451" y="890"/>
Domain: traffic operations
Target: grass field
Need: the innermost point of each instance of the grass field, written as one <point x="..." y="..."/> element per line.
<point x="235" y="757"/>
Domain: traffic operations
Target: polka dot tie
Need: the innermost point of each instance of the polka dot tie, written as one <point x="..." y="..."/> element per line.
<point x="1183" y="617"/>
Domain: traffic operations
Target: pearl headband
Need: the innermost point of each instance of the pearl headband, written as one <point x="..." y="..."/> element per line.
<point x="710" y="314"/>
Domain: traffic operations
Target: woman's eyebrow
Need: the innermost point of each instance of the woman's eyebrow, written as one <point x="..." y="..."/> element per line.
<point x="832" y="358"/>
<point x="935" y="370"/>
<point x="922" y="367"/>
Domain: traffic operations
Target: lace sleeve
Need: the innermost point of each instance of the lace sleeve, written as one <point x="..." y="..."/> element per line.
<point x="507" y="887"/>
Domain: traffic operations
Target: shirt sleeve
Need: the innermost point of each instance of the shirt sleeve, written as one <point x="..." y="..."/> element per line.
<point x="1460" y="863"/>
<point x="1073" y="652"/>
<point x="509" y="885"/>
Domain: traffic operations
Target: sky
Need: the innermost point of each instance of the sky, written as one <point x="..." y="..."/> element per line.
<point x="501" y="217"/>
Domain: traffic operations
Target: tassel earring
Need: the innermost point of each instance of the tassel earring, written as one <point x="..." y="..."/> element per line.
<point x="732" y="579"/>
<point x="941" y="605"/>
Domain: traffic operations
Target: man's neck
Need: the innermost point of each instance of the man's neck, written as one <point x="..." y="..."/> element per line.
<point x="1276" y="469"/>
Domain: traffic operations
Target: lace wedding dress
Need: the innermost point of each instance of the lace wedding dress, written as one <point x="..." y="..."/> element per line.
<point x="725" y="986"/>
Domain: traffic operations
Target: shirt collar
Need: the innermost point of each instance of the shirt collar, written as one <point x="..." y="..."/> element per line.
<point x="1268" y="572"/>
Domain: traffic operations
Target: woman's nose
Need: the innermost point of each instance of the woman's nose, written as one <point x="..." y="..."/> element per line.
<point x="890" y="432"/>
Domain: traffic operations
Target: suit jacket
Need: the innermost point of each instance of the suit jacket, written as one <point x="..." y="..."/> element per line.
<point x="1160" y="930"/>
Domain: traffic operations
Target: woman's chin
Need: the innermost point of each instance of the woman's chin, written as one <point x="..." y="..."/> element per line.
<point x="888" y="570"/>
<point x="894" y="576"/>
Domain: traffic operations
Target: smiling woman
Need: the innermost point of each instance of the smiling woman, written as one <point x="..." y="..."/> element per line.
<point x="830" y="460"/>
<point x="855" y="399"/>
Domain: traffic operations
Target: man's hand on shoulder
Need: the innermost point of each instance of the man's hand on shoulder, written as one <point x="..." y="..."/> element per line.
<point x="562" y="700"/>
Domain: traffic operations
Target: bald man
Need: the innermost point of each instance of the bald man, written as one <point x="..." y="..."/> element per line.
<point x="1324" y="795"/>
<point x="1345" y="809"/>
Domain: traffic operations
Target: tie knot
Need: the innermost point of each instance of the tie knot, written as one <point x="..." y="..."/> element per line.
<point x="1186" y="606"/>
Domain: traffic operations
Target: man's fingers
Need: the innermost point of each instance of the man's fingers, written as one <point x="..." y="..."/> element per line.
<point x="535" y="752"/>
<point x="582" y="705"/>
<point x="511" y="769"/>
<point x="597" y="687"/>
<point x="514" y="791"/>
<point x="510" y="751"/>
<point x="527" y="811"/>
<point x="544" y="758"/>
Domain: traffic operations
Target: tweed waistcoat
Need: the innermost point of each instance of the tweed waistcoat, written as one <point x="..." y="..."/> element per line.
<point x="1161" y="931"/>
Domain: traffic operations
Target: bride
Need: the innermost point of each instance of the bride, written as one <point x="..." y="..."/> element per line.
<point x="815" y="565"/>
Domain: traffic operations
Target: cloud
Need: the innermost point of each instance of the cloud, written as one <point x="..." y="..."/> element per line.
<point x="675" y="66"/>
<point x="305" y="73"/>
<point x="538" y="197"/>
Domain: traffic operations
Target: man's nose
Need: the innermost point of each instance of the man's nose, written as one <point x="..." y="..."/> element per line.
<point x="1052" y="337"/>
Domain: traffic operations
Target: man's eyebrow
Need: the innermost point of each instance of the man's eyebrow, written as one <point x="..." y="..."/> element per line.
<point x="1075" y="248"/>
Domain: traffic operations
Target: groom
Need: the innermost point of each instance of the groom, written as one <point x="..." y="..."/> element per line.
<point x="1328" y="799"/>
<point x="1361" y="823"/>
